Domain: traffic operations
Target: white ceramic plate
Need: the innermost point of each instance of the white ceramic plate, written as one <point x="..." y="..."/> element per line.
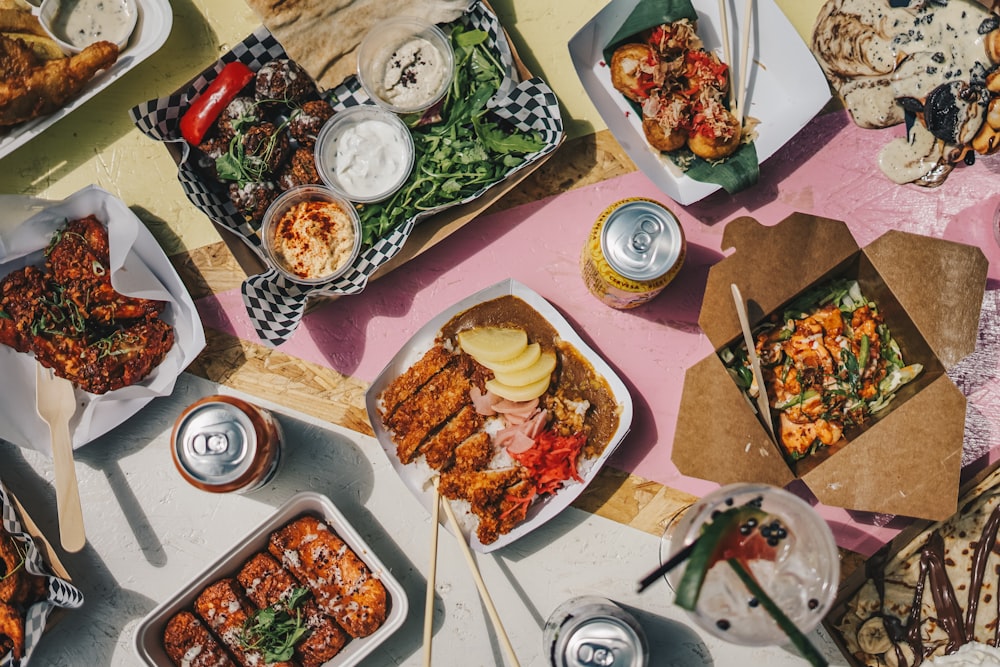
<point x="149" y="634"/>
<point x="415" y="477"/>
<point x="151" y="30"/>
<point x="139" y="267"/>
<point x="786" y="86"/>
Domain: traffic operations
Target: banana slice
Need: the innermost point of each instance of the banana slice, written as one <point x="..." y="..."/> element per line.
<point x="873" y="638"/>
<point x="892" y="658"/>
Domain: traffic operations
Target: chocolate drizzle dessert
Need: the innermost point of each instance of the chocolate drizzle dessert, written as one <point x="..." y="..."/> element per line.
<point x="936" y="594"/>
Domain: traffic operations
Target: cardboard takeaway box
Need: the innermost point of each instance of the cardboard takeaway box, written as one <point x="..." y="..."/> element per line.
<point x="907" y="461"/>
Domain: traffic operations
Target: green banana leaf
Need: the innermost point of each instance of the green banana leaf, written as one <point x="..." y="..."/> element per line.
<point x="738" y="171"/>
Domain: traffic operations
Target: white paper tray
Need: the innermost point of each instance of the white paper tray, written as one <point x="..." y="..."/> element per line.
<point x="786" y="85"/>
<point x="151" y="31"/>
<point x="149" y="634"/>
<point x="416" y="478"/>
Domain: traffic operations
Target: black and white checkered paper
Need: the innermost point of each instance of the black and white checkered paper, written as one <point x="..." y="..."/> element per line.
<point x="275" y="304"/>
<point x="61" y="593"/>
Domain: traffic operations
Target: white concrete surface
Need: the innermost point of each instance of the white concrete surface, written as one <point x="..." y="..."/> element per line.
<point x="149" y="533"/>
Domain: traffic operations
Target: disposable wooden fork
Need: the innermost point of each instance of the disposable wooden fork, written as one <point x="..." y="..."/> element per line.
<point x="56" y="404"/>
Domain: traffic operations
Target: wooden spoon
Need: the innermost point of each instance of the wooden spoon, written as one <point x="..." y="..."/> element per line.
<point x="762" y="405"/>
<point x="55" y="404"/>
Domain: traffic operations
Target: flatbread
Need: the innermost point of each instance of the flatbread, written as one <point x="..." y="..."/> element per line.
<point x="957" y="539"/>
<point x="323" y="35"/>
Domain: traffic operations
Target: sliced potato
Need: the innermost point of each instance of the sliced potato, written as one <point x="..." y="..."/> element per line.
<point x="20" y="20"/>
<point x="521" y="361"/>
<point x="518" y="394"/>
<point x="44" y="47"/>
<point x="537" y="371"/>
<point x="493" y="344"/>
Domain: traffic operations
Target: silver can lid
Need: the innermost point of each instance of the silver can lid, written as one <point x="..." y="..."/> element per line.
<point x="600" y="642"/>
<point x="215" y="443"/>
<point x="641" y="240"/>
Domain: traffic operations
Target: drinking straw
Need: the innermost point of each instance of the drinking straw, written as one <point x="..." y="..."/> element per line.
<point x="429" y="599"/>
<point x="480" y="584"/>
<point x="667" y="566"/>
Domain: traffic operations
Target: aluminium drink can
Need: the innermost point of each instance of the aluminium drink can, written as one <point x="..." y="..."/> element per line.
<point x="591" y="631"/>
<point x="223" y="444"/>
<point x="634" y="250"/>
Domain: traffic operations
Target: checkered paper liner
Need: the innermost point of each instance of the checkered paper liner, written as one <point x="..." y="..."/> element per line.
<point x="274" y="303"/>
<point x="61" y="592"/>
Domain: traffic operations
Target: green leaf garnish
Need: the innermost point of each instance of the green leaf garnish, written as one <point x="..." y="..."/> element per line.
<point x="275" y="631"/>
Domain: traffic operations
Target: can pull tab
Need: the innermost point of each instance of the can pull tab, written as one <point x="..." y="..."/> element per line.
<point x="205" y="444"/>
<point x="595" y="655"/>
<point x="645" y="233"/>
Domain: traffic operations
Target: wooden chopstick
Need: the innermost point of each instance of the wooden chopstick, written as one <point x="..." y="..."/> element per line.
<point x="431" y="576"/>
<point x="744" y="66"/>
<point x="726" y="51"/>
<point x="480" y="584"/>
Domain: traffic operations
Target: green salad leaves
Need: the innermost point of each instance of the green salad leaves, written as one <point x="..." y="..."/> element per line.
<point x="464" y="152"/>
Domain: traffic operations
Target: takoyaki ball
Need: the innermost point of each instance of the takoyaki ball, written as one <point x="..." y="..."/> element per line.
<point x="664" y="120"/>
<point x="299" y="170"/>
<point x="306" y="121"/>
<point x="673" y="39"/>
<point x="716" y="134"/>
<point x="265" y="148"/>
<point x="635" y="71"/>
<point x="252" y="199"/>
<point x="283" y="81"/>
<point x="208" y="151"/>
<point x="703" y="69"/>
<point x="243" y="112"/>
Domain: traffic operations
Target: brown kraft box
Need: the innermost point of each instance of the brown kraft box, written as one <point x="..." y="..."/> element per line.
<point x="907" y="460"/>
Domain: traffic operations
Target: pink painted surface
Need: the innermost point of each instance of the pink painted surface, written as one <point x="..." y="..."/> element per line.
<point x="829" y="169"/>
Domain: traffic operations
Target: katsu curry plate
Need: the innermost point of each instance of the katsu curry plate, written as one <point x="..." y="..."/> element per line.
<point x="500" y="402"/>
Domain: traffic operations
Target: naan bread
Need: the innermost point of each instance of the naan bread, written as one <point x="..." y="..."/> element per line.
<point x="943" y="619"/>
<point x="322" y="35"/>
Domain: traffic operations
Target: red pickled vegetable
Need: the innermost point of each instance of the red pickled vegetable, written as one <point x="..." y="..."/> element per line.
<point x="206" y="108"/>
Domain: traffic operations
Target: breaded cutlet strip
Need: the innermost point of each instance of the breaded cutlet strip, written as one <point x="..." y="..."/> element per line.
<point x="418" y="416"/>
<point x="268" y="584"/>
<point x="413" y="379"/>
<point x="188" y="643"/>
<point x="485" y="491"/>
<point x="439" y="450"/>
<point x="475" y="452"/>
<point x="225" y="610"/>
<point x="341" y="583"/>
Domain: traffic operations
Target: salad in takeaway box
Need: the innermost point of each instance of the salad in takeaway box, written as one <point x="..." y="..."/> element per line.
<point x="852" y="345"/>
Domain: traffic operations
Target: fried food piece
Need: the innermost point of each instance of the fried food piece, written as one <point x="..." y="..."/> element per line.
<point x="485" y="491"/>
<point x="474" y="452"/>
<point x="442" y="396"/>
<point x="439" y="451"/>
<point x="189" y="643"/>
<point x="45" y="88"/>
<point x="224" y="608"/>
<point x="306" y="121"/>
<point x="21" y="294"/>
<point x="79" y="260"/>
<point x="664" y="120"/>
<point x="14" y="580"/>
<point x="300" y="169"/>
<point x="635" y="70"/>
<point x="12" y="627"/>
<point x="267" y="584"/>
<point x="716" y="133"/>
<point x="413" y="379"/>
<point x="341" y="583"/>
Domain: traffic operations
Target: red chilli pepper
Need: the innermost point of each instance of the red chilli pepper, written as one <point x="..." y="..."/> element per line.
<point x="205" y="108"/>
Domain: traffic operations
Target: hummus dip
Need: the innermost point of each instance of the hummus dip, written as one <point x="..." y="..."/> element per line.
<point x="414" y="74"/>
<point x="314" y="239"/>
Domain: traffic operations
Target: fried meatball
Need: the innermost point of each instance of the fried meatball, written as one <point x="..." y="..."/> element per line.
<point x="283" y="81"/>
<point x="207" y="152"/>
<point x="243" y="112"/>
<point x="634" y="70"/>
<point x="265" y="148"/>
<point x="252" y="199"/>
<point x="299" y="170"/>
<point x="306" y="121"/>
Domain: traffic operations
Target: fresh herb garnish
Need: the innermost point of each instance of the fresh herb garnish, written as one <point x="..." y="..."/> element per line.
<point x="463" y="153"/>
<point x="275" y="631"/>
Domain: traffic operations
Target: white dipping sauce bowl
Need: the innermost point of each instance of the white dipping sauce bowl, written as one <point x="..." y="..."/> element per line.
<point x="364" y="153"/>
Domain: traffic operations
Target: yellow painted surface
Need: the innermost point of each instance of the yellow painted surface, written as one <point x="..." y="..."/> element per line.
<point x="98" y="144"/>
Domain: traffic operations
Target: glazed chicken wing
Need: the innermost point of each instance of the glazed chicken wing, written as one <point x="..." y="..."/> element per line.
<point x="30" y="92"/>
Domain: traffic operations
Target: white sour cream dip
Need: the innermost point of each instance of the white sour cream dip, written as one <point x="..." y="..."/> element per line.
<point x="83" y="22"/>
<point x="369" y="158"/>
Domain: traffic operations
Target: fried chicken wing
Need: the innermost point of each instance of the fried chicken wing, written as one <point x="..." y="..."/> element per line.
<point x="42" y="89"/>
<point x="11" y="631"/>
<point x="21" y="296"/>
